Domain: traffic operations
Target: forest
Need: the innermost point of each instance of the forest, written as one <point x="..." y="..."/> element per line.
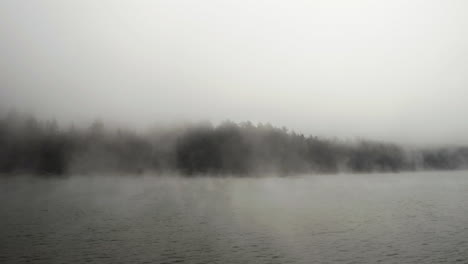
<point x="29" y="146"/>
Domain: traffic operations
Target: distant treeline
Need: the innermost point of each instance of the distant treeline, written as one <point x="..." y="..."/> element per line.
<point x="29" y="146"/>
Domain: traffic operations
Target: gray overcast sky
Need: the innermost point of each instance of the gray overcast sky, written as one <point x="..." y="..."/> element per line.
<point x="394" y="70"/>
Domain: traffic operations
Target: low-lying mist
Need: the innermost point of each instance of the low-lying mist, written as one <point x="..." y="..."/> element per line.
<point x="37" y="147"/>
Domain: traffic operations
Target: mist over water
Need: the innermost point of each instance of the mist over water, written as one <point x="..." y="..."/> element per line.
<point x="373" y="218"/>
<point x="243" y="149"/>
<point x="220" y="131"/>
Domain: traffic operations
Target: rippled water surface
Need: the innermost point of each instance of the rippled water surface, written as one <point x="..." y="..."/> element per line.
<point x="375" y="218"/>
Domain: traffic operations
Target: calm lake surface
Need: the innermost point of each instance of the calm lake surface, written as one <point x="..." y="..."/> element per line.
<point x="374" y="218"/>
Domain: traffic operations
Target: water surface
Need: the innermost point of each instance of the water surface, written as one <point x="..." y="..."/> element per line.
<point x="374" y="218"/>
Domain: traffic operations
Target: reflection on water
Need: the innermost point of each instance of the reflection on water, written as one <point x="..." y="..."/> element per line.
<point x="386" y="218"/>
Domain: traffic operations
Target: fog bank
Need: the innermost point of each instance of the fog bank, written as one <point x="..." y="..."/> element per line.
<point x="44" y="148"/>
<point x="386" y="70"/>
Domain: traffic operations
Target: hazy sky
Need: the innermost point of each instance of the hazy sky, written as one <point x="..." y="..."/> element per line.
<point x="394" y="70"/>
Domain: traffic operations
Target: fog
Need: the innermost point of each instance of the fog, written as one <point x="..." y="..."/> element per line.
<point x="31" y="146"/>
<point x="383" y="70"/>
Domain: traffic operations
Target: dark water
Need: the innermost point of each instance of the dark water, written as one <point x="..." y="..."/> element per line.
<point x="381" y="218"/>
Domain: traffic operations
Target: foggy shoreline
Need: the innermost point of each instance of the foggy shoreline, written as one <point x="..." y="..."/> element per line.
<point x="37" y="147"/>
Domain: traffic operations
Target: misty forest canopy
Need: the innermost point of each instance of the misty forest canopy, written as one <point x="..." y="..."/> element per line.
<point x="43" y="148"/>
